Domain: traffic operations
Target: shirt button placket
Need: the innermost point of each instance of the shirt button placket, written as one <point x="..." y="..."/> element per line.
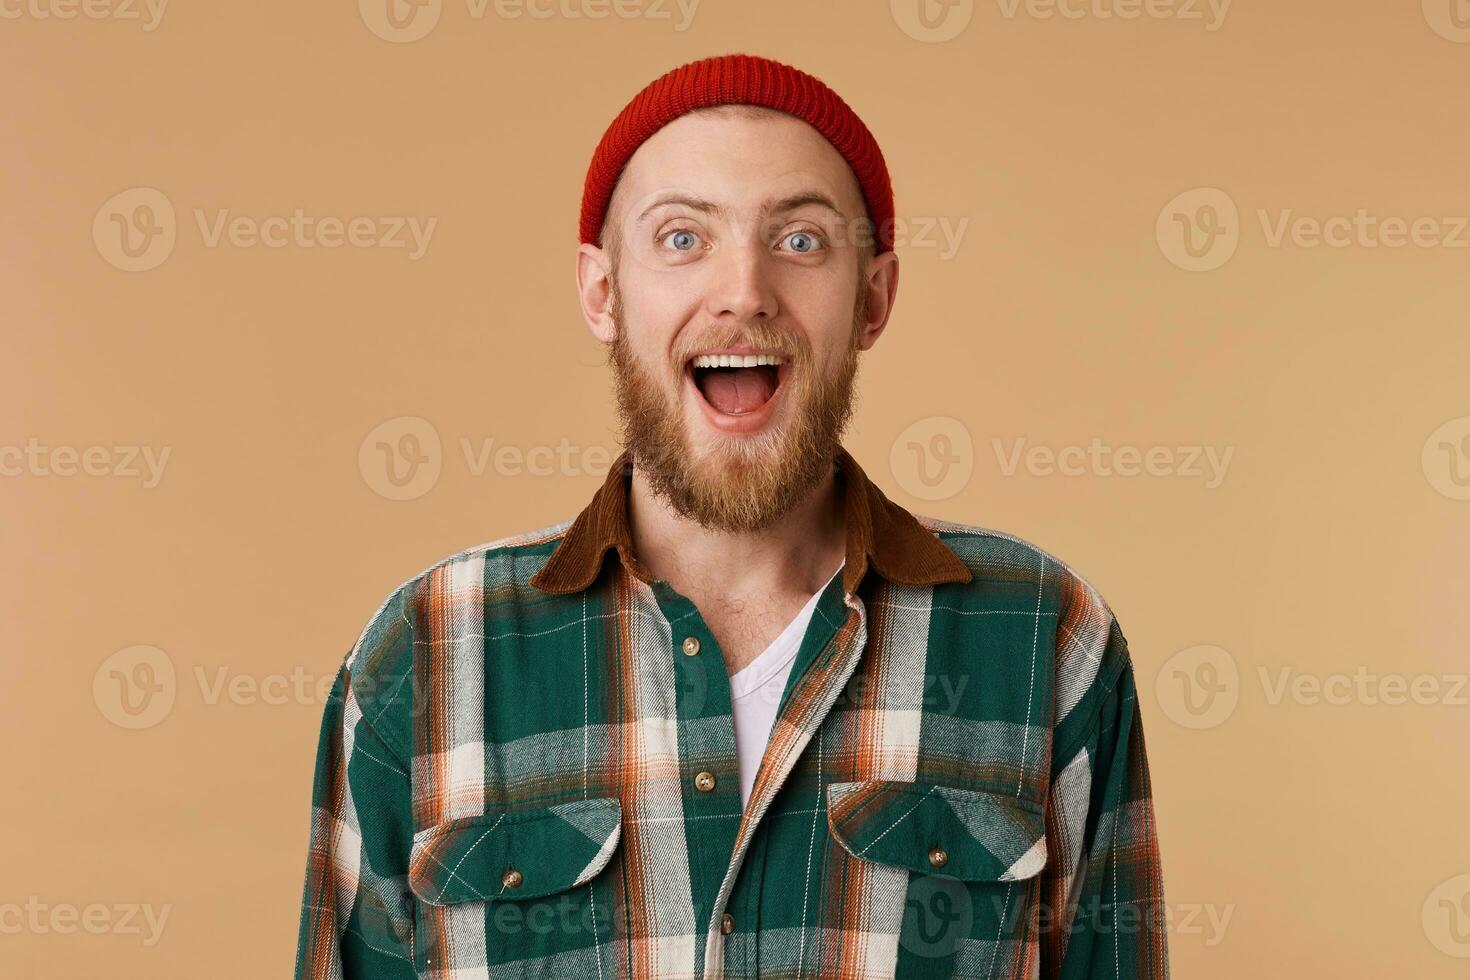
<point x="701" y="702"/>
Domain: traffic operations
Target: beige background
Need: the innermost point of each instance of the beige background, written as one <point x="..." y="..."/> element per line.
<point x="1303" y="834"/>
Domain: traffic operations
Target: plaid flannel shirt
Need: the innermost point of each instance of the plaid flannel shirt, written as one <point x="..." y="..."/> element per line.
<point x="527" y="768"/>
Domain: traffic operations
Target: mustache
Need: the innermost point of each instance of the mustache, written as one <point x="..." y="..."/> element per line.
<point x="761" y="337"/>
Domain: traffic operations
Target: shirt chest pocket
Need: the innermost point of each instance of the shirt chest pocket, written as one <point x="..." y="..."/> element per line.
<point x="963" y="863"/>
<point x="515" y="884"/>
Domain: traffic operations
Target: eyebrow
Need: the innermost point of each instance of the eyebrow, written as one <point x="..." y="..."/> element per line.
<point x="781" y="206"/>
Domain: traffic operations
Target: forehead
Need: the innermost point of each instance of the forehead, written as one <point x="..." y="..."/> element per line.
<point x="738" y="160"/>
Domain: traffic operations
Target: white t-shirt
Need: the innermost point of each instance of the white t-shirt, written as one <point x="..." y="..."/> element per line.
<point x="756" y="689"/>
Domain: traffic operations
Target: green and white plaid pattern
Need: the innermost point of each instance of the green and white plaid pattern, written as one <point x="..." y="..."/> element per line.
<point x="955" y="786"/>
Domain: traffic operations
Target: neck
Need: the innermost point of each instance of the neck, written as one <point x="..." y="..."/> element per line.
<point x="796" y="555"/>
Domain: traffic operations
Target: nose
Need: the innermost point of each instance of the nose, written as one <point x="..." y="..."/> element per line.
<point x="741" y="286"/>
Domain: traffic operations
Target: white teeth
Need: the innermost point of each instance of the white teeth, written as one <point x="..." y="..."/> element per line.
<point x="737" y="360"/>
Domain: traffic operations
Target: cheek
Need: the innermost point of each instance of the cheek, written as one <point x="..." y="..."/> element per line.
<point x="828" y="324"/>
<point x="656" y="309"/>
<point x="823" y="298"/>
<point x="651" y="346"/>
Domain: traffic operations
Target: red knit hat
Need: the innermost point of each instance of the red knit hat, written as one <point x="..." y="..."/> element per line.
<point x="750" y="80"/>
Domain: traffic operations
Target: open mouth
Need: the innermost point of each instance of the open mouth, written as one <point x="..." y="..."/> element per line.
<point x="737" y="386"/>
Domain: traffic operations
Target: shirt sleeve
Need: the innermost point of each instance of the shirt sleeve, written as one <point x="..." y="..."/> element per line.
<point x="357" y="914"/>
<point x="1103" y="909"/>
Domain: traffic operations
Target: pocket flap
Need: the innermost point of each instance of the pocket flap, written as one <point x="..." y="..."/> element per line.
<point x="552" y="848"/>
<point x="983" y="835"/>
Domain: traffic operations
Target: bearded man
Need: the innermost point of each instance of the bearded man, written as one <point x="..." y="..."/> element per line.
<point x="743" y="716"/>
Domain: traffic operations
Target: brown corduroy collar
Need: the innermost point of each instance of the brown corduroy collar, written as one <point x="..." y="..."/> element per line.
<point x="900" y="548"/>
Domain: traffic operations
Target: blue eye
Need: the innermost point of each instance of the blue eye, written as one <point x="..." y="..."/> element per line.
<point x="803" y="242"/>
<point x="682" y="240"/>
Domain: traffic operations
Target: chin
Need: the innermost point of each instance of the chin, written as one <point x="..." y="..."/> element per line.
<point x="747" y="452"/>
